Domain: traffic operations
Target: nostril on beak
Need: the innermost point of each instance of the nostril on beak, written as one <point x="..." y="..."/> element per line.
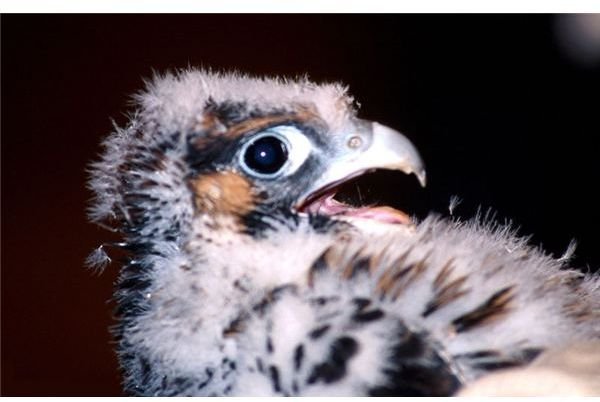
<point x="354" y="142"/>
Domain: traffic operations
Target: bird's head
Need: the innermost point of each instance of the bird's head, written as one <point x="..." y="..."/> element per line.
<point x="235" y="154"/>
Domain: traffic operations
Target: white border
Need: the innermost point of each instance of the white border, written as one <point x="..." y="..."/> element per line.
<point x="306" y="399"/>
<point x="299" y="6"/>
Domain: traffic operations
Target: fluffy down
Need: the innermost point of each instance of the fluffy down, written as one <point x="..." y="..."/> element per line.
<point x="227" y="290"/>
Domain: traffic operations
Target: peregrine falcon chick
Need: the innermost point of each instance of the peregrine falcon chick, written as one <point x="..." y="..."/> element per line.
<point x="246" y="276"/>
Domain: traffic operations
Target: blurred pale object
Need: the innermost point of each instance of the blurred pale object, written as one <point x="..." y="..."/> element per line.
<point x="574" y="371"/>
<point x="578" y="36"/>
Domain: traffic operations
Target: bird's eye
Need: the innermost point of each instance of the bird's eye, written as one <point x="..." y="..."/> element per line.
<point x="265" y="155"/>
<point x="274" y="152"/>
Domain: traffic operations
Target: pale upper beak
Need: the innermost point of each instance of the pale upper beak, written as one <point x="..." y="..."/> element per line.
<point x="373" y="146"/>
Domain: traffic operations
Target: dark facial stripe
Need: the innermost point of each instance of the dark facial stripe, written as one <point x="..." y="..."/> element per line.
<point x="258" y="124"/>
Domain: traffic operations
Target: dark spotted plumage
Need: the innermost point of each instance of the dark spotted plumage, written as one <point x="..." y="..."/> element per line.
<point x="245" y="276"/>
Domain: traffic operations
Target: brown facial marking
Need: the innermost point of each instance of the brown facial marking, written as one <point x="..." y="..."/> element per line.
<point x="222" y="193"/>
<point x="495" y="307"/>
<point x="210" y="123"/>
<point x="302" y="115"/>
<point x="213" y="128"/>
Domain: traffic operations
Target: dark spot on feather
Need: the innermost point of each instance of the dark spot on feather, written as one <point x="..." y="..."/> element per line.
<point x="259" y="365"/>
<point x="262" y="306"/>
<point x="145" y="369"/>
<point x="412" y="346"/>
<point x="334" y="368"/>
<point x="494" y="360"/>
<point x="415" y="368"/>
<point x="477" y="354"/>
<point x="276" y="293"/>
<point x="209" y="375"/>
<point x="179" y="381"/>
<point x="321" y="301"/>
<point x="367" y="316"/>
<point x="496" y="365"/>
<point x="238" y="285"/>
<point x="274" y="374"/>
<point x="361" y="302"/>
<point x="324" y="224"/>
<point x="319" y="332"/>
<point x="235" y="327"/>
<point x="298" y="356"/>
<point x="529" y="354"/>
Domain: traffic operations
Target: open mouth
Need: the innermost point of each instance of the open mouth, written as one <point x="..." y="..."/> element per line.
<point x="365" y="194"/>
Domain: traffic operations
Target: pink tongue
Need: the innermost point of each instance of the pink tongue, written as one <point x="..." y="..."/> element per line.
<point x="328" y="206"/>
<point x="381" y="214"/>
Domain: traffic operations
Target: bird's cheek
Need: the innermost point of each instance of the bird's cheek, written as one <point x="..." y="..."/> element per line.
<point x="222" y="194"/>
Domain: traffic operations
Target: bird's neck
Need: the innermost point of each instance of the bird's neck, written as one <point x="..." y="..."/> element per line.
<point x="259" y="262"/>
<point x="196" y="291"/>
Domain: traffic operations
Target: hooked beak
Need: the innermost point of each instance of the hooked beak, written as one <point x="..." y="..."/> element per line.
<point x="373" y="147"/>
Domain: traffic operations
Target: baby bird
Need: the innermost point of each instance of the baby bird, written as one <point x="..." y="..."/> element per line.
<point x="246" y="276"/>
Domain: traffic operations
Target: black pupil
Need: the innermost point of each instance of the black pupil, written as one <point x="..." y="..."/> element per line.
<point x="266" y="155"/>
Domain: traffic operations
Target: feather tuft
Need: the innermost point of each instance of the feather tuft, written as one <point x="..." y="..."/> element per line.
<point x="569" y="252"/>
<point x="98" y="260"/>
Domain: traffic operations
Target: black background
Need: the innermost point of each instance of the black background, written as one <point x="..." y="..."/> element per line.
<point x="500" y="117"/>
